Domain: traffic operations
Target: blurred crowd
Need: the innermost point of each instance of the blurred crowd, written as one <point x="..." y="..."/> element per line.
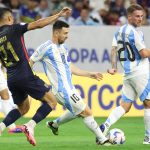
<point x="84" y="12"/>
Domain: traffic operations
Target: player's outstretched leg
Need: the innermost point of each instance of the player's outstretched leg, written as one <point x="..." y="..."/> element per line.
<point x="64" y="118"/>
<point x="12" y="116"/>
<point x="104" y="128"/>
<point x="50" y="125"/>
<point x="114" y="116"/>
<point x="40" y="114"/>
<point x="29" y="133"/>
<point x="7" y="106"/>
<point x="93" y="126"/>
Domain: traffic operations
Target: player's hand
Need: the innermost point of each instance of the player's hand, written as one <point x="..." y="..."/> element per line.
<point x="65" y="11"/>
<point x="112" y="71"/>
<point x="96" y="75"/>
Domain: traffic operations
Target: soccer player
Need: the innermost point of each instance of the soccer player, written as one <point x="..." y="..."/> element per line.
<point x="128" y="42"/>
<point x="6" y="101"/>
<point x="21" y="80"/>
<point x="58" y="68"/>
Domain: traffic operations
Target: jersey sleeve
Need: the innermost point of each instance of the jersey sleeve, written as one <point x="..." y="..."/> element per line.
<point x="139" y="41"/>
<point x="20" y="28"/>
<point x="38" y="54"/>
<point x="114" y="42"/>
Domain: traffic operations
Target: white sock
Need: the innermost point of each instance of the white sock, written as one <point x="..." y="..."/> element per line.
<point x="31" y="124"/>
<point x="6" y="108"/>
<point x="2" y="126"/>
<point x="114" y="116"/>
<point x="12" y="126"/>
<point x="66" y="117"/>
<point x="94" y="127"/>
<point x="147" y="121"/>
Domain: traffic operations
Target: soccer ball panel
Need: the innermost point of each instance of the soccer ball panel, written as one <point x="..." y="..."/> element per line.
<point x="116" y="136"/>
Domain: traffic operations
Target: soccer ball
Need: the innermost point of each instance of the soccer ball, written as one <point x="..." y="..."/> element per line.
<point x="116" y="136"/>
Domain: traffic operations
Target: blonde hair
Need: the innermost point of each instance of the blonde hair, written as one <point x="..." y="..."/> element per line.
<point x="133" y="8"/>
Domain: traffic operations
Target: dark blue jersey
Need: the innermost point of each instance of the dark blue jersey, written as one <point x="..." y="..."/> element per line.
<point x="13" y="53"/>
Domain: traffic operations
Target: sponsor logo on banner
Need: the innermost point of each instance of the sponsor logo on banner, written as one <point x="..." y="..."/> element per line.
<point x="84" y="55"/>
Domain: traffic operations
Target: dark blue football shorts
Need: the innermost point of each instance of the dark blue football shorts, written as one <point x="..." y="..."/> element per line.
<point x="33" y="86"/>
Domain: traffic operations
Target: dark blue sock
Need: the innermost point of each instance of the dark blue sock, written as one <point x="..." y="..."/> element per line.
<point x="42" y="112"/>
<point x="12" y="116"/>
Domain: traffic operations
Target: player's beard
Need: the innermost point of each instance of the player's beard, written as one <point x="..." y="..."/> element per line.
<point x="61" y="41"/>
<point x="138" y="24"/>
<point x="135" y="25"/>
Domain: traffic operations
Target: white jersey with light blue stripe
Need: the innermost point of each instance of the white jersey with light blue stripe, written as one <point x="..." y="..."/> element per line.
<point x="129" y="42"/>
<point x="56" y="62"/>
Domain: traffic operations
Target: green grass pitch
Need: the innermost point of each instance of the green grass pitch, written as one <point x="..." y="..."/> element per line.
<point x="75" y="136"/>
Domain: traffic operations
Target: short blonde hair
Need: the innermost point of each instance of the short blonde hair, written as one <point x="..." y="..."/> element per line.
<point x="133" y="8"/>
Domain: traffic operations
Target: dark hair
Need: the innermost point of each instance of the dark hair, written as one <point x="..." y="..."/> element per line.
<point x="134" y="7"/>
<point x="3" y="11"/>
<point x="59" y="25"/>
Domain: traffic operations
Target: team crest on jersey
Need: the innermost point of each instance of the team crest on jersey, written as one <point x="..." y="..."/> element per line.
<point x="63" y="58"/>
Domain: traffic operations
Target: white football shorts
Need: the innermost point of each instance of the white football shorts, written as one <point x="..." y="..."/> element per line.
<point x="72" y="100"/>
<point x="136" y="87"/>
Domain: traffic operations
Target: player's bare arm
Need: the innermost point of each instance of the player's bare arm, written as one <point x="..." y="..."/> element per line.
<point x="79" y="72"/>
<point x="145" y="53"/>
<point x="113" y="70"/>
<point x="48" y="20"/>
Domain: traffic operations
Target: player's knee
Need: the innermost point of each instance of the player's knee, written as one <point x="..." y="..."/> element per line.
<point x="126" y="106"/>
<point x="24" y="109"/>
<point x="87" y="112"/>
<point x="5" y="97"/>
<point x="127" y="110"/>
<point x="50" y="99"/>
<point x="146" y="104"/>
<point x="52" y="104"/>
